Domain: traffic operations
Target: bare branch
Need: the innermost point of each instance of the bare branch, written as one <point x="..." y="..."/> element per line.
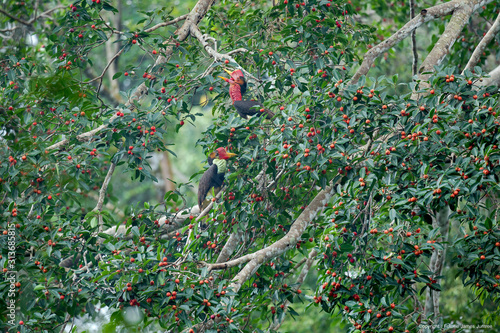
<point x="219" y="56"/>
<point x="106" y="67"/>
<point x="32" y="20"/>
<point x="102" y="193"/>
<point x="230" y="246"/>
<point x="195" y="16"/>
<point x="476" y="55"/>
<point x="164" y="24"/>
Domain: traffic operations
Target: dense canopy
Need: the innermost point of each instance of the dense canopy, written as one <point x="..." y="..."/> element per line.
<point x="367" y="195"/>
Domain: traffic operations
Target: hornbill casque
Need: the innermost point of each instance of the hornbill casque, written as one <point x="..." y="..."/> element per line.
<point x="214" y="176"/>
<point x="237" y="87"/>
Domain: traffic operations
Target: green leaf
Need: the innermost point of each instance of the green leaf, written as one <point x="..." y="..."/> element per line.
<point x="93" y="222"/>
<point x="392" y="214"/>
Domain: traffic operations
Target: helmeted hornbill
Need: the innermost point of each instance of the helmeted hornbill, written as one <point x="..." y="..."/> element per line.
<point x="237" y="87"/>
<point x="214" y="176"/>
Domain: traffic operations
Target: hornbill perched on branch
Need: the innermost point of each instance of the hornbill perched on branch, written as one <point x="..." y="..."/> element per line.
<point x="237" y="87"/>
<point x="214" y="176"/>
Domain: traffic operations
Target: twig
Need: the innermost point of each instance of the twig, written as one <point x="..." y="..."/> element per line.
<point x="106" y="68"/>
<point x="66" y="319"/>
<point x="30" y="22"/>
<point x="164" y="24"/>
<point x="219" y="56"/>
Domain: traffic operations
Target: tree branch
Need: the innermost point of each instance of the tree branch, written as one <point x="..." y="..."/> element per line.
<point x="219" y="56"/>
<point x="32" y="20"/>
<point x="106" y="68"/>
<point x="442" y="47"/>
<point x="281" y="246"/>
<point x="476" y="55"/>
<point x="494" y="79"/>
<point x="413" y="40"/>
<point x="12" y="17"/>
<point x="164" y="24"/>
<point x="230" y="246"/>
<point x="442" y="222"/>
<point x="102" y="192"/>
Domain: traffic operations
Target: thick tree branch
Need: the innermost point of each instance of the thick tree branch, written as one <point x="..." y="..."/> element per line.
<point x="194" y="17"/>
<point x="254" y="260"/>
<point x="445" y="43"/>
<point x="230" y="246"/>
<point x="476" y="55"/>
<point x="494" y="79"/>
<point x="104" y="187"/>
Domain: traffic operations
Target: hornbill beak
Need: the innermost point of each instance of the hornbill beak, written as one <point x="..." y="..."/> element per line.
<point x="230" y="81"/>
<point x="229" y="155"/>
<point x="235" y="76"/>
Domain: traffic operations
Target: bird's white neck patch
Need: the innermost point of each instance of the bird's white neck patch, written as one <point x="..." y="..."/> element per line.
<point x="221" y="165"/>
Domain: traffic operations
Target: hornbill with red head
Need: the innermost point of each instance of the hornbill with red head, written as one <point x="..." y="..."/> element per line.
<point x="214" y="176"/>
<point x="237" y="87"/>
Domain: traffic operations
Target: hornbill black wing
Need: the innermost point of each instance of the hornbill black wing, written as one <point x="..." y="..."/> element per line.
<point x="250" y="108"/>
<point x="209" y="179"/>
